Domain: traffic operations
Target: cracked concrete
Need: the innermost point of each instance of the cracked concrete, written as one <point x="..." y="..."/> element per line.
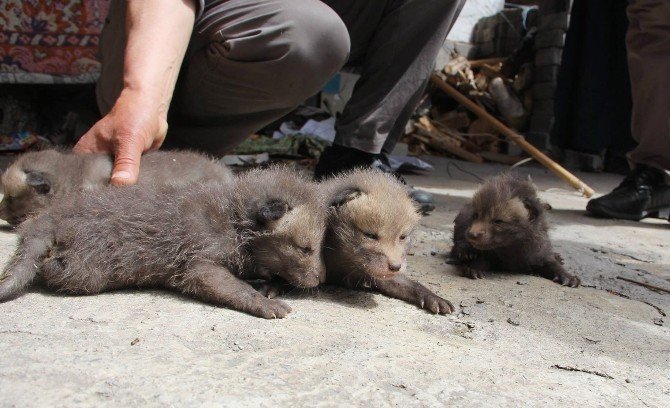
<point x="515" y="340"/>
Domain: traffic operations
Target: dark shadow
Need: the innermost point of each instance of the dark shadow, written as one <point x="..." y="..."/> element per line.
<point x="355" y="298"/>
<point x="7" y="228"/>
<point x="586" y="218"/>
<point x="457" y="267"/>
<point x="41" y="289"/>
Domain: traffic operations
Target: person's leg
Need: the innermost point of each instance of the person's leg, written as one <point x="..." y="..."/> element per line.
<point x="249" y="63"/>
<point x="648" y="44"/>
<point x="644" y="192"/>
<point x="395" y="42"/>
<point x="112" y="47"/>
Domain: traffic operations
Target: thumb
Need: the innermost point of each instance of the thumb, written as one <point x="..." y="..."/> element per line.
<point x="127" y="157"/>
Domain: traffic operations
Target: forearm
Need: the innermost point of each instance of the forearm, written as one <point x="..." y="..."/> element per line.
<point x="158" y="33"/>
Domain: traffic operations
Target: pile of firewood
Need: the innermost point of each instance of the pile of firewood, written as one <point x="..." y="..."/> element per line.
<point x="497" y="87"/>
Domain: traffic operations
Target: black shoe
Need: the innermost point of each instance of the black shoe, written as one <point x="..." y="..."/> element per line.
<point x="643" y="193"/>
<point x="337" y="159"/>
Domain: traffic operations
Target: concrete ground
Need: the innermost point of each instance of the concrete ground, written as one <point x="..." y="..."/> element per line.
<point x="515" y="340"/>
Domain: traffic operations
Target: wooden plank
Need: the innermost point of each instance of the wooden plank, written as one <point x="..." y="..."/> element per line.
<point x="466" y="143"/>
<point x="445" y="143"/>
<point x="486" y="61"/>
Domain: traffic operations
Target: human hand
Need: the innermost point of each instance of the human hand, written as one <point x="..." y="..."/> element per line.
<point x="135" y="125"/>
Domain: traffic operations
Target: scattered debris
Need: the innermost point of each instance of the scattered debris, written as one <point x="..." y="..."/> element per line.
<point x="245" y="159"/>
<point x="465" y="329"/>
<point x="14" y="331"/>
<point x="591" y="340"/>
<point x="512" y="135"/>
<point x="469" y="325"/>
<point x="521" y="283"/>
<point x="646" y="285"/>
<point x="658" y="321"/>
<point x="447" y="130"/>
<point x="512" y="322"/>
<point x="568" y="368"/>
<point x="324" y="129"/>
<point x="634" y="258"/>
<point x="17" y="141"/>
<point x="614" y="292"/>
<point x="429" y="135"/>
<point x="409" y="164"/>
<point x="134" y="342"/>
<point x="464" y="304"/>
<point x="294" y="146"/>
<point x="658" y="309"/>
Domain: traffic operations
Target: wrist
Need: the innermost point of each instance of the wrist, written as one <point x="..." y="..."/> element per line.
<point x="143" y="98"/>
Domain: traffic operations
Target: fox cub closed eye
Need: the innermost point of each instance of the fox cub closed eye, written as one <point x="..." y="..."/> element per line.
<point x="371" y="235"/>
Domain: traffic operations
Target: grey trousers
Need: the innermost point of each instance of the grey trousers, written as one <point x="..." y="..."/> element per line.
<point x="648" y="44"/>
<point x="250" y="62"/>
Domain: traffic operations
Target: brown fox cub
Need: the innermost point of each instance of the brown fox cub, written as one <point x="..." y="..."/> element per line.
<point x="35" y="179"/>
<point x="201" y="240"/>
<point x="504" y="228"/>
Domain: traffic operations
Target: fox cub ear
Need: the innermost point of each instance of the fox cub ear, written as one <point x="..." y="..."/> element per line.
<point x="534" y="206"/>
<point x="272" y="211"/>
<point x="38" y="181"/>
<point x="345" y="196"/>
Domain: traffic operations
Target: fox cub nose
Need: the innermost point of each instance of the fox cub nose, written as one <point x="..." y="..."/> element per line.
<point x="394" y="267"/>
<point x="475" y="234"/>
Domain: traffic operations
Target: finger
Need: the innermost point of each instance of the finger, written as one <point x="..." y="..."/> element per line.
<point x="127" y="155"/>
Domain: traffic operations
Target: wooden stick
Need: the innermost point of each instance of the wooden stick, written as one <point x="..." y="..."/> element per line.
<point x="519" y="140"/>
<point x="486" y="61"/>
<point x="468" y="144"/>
<point x="490" y="71"/>
<point x="428" y="124"/>
<point x="646" y="285"/>
<point x="445" y="143"/>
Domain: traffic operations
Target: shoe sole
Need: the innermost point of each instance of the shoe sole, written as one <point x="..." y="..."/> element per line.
<point x="662" y="213"/>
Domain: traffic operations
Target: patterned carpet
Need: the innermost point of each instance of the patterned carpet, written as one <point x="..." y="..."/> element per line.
<point x="50" y="42"/>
